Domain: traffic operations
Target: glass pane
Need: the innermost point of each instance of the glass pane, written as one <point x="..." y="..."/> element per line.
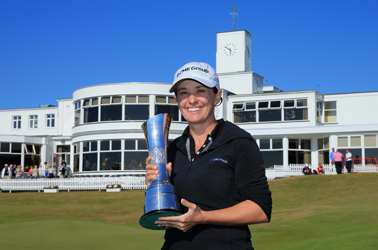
<point x="143" y="99"/>
<point x="370" y="141"/>
<point x="323" y="157"/>
<point x="170" y="109"/>
<point x="277" y="143"/>
<point x="142" y="144"/>
<point x="247" y="116"/>
<point x="94" y="101"/>
<point x="105" y="145"/>
<point x="5" y="147"/>
<point x="86" y="102"/>
<point x="329" y="105"/>
<point x="296" y="114"/>
<point x="371" y="153"/>
<point x="77" y="118"/>
<point x="89" y="162"/>
<point x="320" y="143"/>
<point x="130" y="99"/>
<point x="63" y="148"/>
<point x="93" y="145"/>
<point x="105" y="100"/>
<point x="326" y="142"/>
<point x="264" y="143"/>
<point x="263" y="104"/>
<point x="272" y="158"/>
<point x="91" y="115"/>
<point x="250" y="105"/>
<point x="38" y="149"/>
<point x="130" y="144"/>
<point x="29" y="149"/>
<point x="110" y="161"/>
<point x="161" y="99"/>
<point x="289" y="103"/>
<point x="238" y="106"/>
<point x="135" y="160"/>
<point x="76" y="163"/>
<point x="275" y="104"/>
<point x="116" y="99"/>
<point x="85" y="146"/>
<point x="116" y="145"/>
<point x="330" y="116"/>
<point x="111" y="113"/>
<point x="137" y="112"/>
<point x="355" y="141"/>
<point x="301" y="103"/>
<point x="294" y="143"/>
<point x="16" y="148"/>
<point x="269" y="115"/>
<point x="342" y="141"/>
<point x="171" y="100"/>
<point x="299" y="157"/>
<point x="305" y="144"/>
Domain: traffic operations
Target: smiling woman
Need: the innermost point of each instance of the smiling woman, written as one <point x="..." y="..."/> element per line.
<point x="216" y="168"/>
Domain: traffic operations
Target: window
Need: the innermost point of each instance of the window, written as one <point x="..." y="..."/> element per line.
<point x="319" y="111"/>
<point x="77" y="112"/>
<point x="370" y="141"/>
<point x="50" y="121"/>
<point x="16" y="122"/>
<point x="342" y="141"/>
<point x="270" y="111"/>
<point x="330" y="114"/>
<point x="299" y="151"/>
<point x="33" y="121"/>
<point x="111" y="108"/>
<point x="168" y="104"/>
<point x="296" y="110"/>
<point x="137" y="108"/>
<point x="90" y="156"/>
<point x="90" y="107"/>
<point x="271" y="151"/>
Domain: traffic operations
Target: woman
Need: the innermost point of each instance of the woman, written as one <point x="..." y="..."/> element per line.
<point x="19" y="172"/>
<point x="35" y="171"/>
<point x="216" y="168"/>
<point x="30" y="171"/>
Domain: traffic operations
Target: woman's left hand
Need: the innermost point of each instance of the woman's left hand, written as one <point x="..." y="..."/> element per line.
<point x="183" y="222"/>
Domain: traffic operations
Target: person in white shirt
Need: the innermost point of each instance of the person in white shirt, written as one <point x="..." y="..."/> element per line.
<point x="348" y="158"/>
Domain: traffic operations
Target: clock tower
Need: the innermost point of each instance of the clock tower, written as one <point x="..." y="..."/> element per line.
<point x="234" y="63"/>
<point x="233" y="51"/>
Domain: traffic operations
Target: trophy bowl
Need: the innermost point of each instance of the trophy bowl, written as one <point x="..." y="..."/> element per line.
<point x="160" y="199"/>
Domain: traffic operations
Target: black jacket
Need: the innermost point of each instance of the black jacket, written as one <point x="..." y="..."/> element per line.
<point x="228" y="172"/>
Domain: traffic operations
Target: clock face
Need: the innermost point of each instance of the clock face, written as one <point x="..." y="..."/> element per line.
<point x="229" y="49"/>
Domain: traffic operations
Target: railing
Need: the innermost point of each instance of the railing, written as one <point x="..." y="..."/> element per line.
<point x="70" y="184"/>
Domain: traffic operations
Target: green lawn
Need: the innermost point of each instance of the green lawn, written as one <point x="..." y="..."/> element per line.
<point x="309" y="212"/>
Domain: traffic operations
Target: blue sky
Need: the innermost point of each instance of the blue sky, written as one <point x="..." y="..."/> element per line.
<point x="50" y="48"/>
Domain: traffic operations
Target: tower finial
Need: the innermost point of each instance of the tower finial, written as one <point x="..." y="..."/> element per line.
<point x="233" y="14"/>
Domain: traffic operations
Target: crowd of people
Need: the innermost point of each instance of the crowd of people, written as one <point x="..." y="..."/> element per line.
<point x="45" y="170"/>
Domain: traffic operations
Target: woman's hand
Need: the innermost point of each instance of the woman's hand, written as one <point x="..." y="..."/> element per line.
<point x="183" y="222"/>
<point x="152" y="171"/>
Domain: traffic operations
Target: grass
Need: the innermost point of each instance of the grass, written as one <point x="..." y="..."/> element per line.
<point x="309" y="212"/>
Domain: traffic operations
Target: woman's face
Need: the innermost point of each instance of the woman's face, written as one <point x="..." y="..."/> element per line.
<point x="197" y="102"/>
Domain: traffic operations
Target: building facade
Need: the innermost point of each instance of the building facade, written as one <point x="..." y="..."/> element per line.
<point x="98" y="130"/>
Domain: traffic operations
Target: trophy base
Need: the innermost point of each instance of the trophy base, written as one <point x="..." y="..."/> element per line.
<point x="148" y="220"/>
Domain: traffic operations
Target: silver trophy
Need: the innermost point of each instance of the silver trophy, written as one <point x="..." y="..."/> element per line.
<point x="160" y="200"/>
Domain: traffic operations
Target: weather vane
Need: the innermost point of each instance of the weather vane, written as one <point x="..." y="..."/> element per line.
<point x="233" y="14"/>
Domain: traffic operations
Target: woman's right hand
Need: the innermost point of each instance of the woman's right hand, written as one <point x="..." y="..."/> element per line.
<point x="152" y="171"/>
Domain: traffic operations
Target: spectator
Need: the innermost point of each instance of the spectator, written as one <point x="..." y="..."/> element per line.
<point x="41" y="171"/>
<point x="331" y="155"/>
<point x="68" y="172"/>
<point x="320" y="169"/>
<point x="51" y="171"/>
<point x="61" y="171"/>
<point x="348" y="159"/>
<point x="13" y="169"/>
<point x="35" y="171"/>
<point x="6" y="172"/>
<point x="338" y="159"/>
<point x="306" y="170"/>
<point x="31" y="171"/>
<point x="18" y="172"/>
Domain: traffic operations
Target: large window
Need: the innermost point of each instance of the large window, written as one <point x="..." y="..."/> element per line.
<point x="111" y="108"/>
<point x="110" y="155"/>
<point x="17" y="122"/>
<point x="50" y="121"/>
<point x="330" y="114"/>
<point x="272" y="152"/>
<point x="319" y="111"/>
<point x="90" y="107"/>
<point x="299" y="151"/>
<point x="137" y="108"/>
<point x="135" y="154"/>
<point x="90" y="156"/>
<point x="271" y="111"/>
<point x="33" y="121"/>
<point x="323" y="150"/>
<point x="168" y="104"/>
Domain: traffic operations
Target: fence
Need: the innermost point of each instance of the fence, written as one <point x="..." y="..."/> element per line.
<point x="70" y="184"/>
